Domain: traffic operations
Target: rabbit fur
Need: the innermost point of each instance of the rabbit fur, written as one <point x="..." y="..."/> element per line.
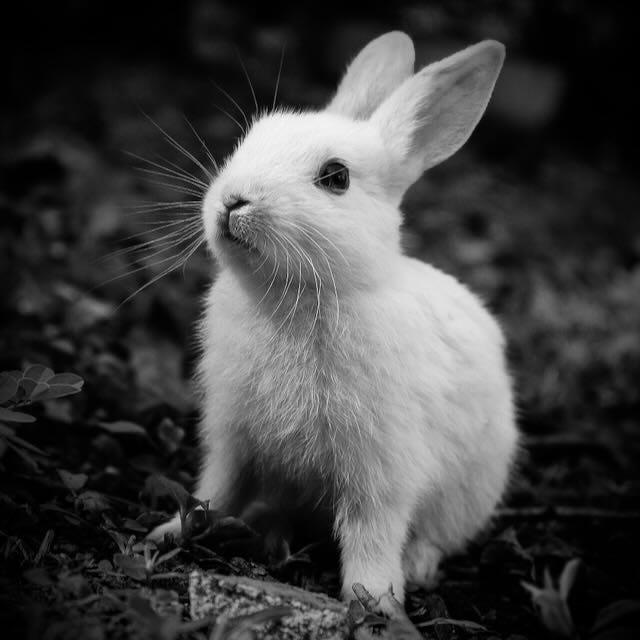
<point x="336" y="372"/>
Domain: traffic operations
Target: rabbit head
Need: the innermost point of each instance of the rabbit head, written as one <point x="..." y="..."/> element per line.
<point x="315" y="195"/>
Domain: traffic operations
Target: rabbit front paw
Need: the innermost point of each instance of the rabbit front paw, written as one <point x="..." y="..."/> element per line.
<point x="173" y="528"/>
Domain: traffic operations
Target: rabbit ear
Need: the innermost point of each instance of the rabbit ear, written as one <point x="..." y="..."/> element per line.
<point x="374" y="73"/>
<point x="431" y="115"/>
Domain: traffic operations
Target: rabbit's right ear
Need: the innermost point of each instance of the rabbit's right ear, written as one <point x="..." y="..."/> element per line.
<point x="431" y="115"/>
<point x="373" y="75"/>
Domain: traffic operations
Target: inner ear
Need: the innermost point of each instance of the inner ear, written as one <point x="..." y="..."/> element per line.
<point x="431" y="115"/>
<point x="373" y="75"/>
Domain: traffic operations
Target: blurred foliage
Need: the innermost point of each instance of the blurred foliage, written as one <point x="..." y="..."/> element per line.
<point x="537" y="214"/>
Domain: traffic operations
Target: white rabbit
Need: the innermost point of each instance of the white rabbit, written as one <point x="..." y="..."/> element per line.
<point x="336" y="371"/>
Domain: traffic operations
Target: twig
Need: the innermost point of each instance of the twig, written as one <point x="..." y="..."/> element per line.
<point x="467" y="624"/>
<point x="44" y="547"/>
<point x="565" y="512"/>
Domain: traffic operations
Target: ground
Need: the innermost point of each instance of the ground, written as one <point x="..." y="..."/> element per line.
<point x="552" y="245"/>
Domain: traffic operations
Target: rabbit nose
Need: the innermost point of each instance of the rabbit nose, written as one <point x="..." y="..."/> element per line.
<point x="231" y="204"/>
<point x="234" y="203"/>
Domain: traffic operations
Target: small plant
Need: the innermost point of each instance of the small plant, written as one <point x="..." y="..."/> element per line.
<point x="551" y="600"/>
<point x="19" y="389"/>
<point x="140" y="566"/>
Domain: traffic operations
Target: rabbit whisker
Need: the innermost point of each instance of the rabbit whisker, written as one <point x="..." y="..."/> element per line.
<point x="162" y="174"/>
<point x="301" y="224"/>
<point x="152" y="207"/>
<point x="235" y="103"/>
<point x="183" y="190"/>
<point x="187" y="236"/>
<point x="246" y="74"/>
<point x="202" y="143"/>
<point x="178" y="147"/>
<point x="301" y="285"/>
<point x="288" y="279"/>
<point x="165" y="240"/>
<point x="317" y="279"/>
<point x="275" y="92"/>
<point x="324" y="255"/>
<point x="273" y="276"/>
<point x="292" y="312"/>
<point x="173" y="168"/>
<point x="181" y="259"/>
<point x="234" y="120"/>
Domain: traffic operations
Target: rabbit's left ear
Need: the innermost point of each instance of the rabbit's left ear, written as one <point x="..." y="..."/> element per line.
<point x="432" y="114"/>
<point x="374" y="73"/>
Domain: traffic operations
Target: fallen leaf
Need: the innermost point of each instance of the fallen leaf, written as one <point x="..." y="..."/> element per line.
<point x="73" y="481"/>
<point x="92" y="501"/>
<point x="8" y="386"/>
<point x="38" y="373"/>
<point x="618" y="621"/>
<point x="125" y="427"/>
<point x="133" y="566"/>
<point x="15" y="416"/>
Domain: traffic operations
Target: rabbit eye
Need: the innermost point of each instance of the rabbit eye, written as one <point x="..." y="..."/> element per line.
<point x="334" y="177"/>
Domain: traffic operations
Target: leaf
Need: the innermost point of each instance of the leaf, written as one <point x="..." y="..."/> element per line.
<point x="15" y="416"/>
<point x="73" y="481"/>
<point x="133" y="525"/>
<point x="615" y="619"/>
<point x="38" y="390"/>
<point x="8" y="386"/>
<point x="28" y="385"/>
<point x="132" y="566"/>
<point x="170" y="434"/>
<point x="57" y="386"/>
<point x="48" y="392"/>
<point x="568" y="577"/>
<point x="92" y="501"/>
<point x="105" y="565"/>
<point x="160" y="486"/>
<point x="38" y="373"/>
<point x="7" y="431"/>
<point x="26" y="445"/>
<point x="26" y="458"/>
<point x="68" y="515"/>
<point x="67" y="379"/>
<point x="123" y="542"/>
<point x="167" y="556"/>
<point x="124" y="426"/>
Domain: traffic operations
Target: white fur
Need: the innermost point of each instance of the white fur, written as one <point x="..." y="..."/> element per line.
<point x="335" y="370"/>
<point x="373" y="74"/>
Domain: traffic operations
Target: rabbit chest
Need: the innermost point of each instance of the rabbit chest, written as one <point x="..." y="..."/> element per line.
<point x="302" y="404"/>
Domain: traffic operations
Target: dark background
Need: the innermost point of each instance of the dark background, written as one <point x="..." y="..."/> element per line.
<point x="538" y="214"/>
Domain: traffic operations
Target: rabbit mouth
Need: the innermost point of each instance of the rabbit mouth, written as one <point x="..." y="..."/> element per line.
<point x="236" y="240"/>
